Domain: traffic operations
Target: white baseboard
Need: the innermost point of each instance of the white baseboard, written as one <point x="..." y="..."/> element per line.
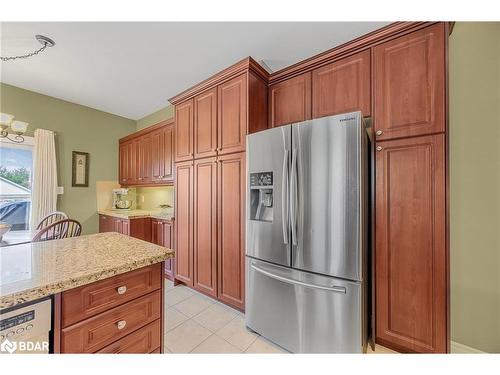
<point x="457" y="348"/>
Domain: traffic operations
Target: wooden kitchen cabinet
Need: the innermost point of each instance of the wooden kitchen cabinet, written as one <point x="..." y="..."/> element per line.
<point x="183" y="133"/>
<point x="184" y="222"/>
<point x="205" y="124"/>
<point x="138" y="228"/>
<point x="232" y="115"/>
<point x="290" y="100"/>
<point x="143" y="159"/>
<point x="146" y="157"/>
<point x="162" y="234"/>
<point x="231" y="229"/>
<point x="410" y="256"/>
<point x="162" y="163"/>
<point x="205" y="226"/>
<point x="119" y="314"/>
<point x="342" y="86"/>
<point x="409" y="84"/>
<point x="127" y="163"/>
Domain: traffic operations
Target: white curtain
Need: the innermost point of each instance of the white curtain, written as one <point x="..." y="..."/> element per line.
<point x="44" y="186"/>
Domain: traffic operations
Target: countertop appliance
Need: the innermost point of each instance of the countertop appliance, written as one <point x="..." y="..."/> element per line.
<point x="123" y="199"/>
<point x="306" y="242"/>
<point x="26" y="328"/>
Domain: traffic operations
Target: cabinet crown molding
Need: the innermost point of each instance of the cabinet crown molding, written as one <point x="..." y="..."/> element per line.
<point x="247" y="64"/>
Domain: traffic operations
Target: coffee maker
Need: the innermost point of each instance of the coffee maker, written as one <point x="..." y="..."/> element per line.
<point x="123" y="199"/>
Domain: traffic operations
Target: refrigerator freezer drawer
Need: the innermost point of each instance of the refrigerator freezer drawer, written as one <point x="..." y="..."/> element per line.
<point x="304" y="312"/>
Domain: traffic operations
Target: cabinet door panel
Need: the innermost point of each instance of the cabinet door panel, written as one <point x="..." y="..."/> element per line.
<point x="145" y="159"/>
<point x="409" y="82"/>
<point x="205" y="225"/>
<point x="183" y="131"/>
<point x="184" y="222"/>
<point x="410" y="251"/>
<point x="205" y="124"/>
<point x="231" y="229"/>
<point x="157" y="155"/>
<point x="290" y="100"/>
<point x="168" y="154"/>
<point x="123" y="163"/>
<point x="232" y="115"/>
<point x="343" y="86"/>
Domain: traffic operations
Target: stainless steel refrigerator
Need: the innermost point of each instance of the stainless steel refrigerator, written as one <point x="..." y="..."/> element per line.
<point x="307" y="235"/>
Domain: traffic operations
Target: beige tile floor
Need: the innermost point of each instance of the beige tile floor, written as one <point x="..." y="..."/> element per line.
<point x="195" y="323"/>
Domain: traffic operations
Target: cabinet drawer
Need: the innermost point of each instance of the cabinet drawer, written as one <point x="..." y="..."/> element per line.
<point x="101" y="330"/>
<point x="145" y="340"/>
<point x="89" y="300"/>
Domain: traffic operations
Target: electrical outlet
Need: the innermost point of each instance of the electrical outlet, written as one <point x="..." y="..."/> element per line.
<point x="142" y="198"/>
<point x="60" y="190"/>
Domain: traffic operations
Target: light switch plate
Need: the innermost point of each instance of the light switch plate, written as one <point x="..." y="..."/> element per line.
<point x="60" y="190"/>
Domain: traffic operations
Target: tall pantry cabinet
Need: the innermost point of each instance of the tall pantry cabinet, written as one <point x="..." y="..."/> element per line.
<point x="211" y="124"/>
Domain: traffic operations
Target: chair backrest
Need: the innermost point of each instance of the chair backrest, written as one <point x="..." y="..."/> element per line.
<point x="51" y="218"/>
<point x="60" y="229"/>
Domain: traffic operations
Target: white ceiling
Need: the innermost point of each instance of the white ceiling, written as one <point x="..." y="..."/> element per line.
<point x="132" y="68"/>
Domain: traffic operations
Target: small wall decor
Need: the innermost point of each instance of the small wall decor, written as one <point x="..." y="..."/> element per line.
<point x="80" y="175"/>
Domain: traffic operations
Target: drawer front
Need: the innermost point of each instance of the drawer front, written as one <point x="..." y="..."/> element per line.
<point x="88" y="300"/>
<point x="101" y="330"/>
<point x="145" y="340"/>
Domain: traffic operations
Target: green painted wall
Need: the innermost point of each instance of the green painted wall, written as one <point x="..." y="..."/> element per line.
<point x="156" y="117"/>
<point x="474" y="72"/>
<point x="78" y="128"/>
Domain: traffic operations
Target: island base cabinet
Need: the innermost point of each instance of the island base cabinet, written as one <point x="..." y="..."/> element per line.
<point x="410" y="256"/>
<point x="121" y="314"/>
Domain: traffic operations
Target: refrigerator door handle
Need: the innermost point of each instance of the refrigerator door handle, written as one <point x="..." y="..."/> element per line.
<point x="293" y="198"/>
<point x="333" y="288"/>
<point x="284" y="198"/>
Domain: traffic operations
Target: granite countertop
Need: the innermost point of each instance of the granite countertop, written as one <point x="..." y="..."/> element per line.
<point x="137" y="214"/>
<point x="35" y="270"/>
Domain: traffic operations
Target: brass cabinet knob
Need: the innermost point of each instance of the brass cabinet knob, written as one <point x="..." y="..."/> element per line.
<point x="378" y="132"/>
<point x="379" y="148"/>
<point x="121" y="324"/>
<point x="121" y="289"/>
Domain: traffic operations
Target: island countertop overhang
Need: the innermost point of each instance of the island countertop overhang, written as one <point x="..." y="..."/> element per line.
<point x="36" y="270"/>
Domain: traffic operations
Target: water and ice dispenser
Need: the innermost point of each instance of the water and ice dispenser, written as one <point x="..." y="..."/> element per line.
<point x="261" y="196"/>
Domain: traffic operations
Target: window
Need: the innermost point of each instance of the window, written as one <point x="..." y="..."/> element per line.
<point x="16" y="163"/>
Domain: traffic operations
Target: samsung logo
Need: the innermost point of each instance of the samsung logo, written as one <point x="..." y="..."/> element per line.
<point x="347" y="119"/>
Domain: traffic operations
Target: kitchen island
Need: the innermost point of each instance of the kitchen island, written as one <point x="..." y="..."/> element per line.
<point x="106" y="290"/>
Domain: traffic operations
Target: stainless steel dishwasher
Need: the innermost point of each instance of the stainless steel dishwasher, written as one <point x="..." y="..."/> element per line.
<point x="26" y="328"/>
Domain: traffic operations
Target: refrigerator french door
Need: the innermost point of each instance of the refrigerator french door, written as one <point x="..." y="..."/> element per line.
<point x="306" y="235"/>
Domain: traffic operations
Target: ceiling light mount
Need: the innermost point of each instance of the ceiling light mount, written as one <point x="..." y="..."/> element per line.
<point x="43" y="40"/>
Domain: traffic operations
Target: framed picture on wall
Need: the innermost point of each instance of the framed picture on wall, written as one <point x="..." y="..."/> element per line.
<point x="80" y="175"/>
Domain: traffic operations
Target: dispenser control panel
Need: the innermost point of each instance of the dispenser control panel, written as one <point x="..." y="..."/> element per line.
<point x="261" y="179"/>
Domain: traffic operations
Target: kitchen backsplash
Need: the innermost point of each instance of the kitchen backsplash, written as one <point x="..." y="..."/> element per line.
<point x="150" y="198"/>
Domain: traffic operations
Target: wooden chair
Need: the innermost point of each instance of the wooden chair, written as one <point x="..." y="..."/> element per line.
<point x="51" y="218"/>
<point x="60" y="229"/>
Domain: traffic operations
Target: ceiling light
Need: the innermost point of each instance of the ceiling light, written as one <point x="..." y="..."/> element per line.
<point x="43" y="40"/>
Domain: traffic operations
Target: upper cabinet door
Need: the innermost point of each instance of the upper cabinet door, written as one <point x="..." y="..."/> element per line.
<point x="342" y="86"/>
<point x="168" y="153"/>
<point x="409" y="84"/>
<point x="123" y="166"/>
<point x="145" y="145"/>
<point x="205" y="124"/>
<point x="231" y="182"/>
<point x="290" y="100"/>
<point x="157" y="155"/>
<point x="184" y="222"/>
<point x="184" y="131"/>
<point x="232" y="121"/>
<point x="410" y="240"/>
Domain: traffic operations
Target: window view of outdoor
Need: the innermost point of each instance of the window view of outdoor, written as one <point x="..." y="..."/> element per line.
<point x="15" y="188"/>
